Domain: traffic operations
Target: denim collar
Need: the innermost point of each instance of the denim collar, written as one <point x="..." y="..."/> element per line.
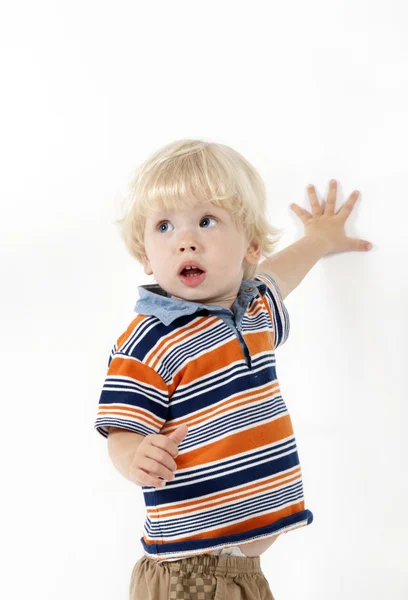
<point x="155" y="301"/>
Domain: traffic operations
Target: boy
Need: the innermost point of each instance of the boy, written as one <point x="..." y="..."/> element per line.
<point x="191" y="404"/>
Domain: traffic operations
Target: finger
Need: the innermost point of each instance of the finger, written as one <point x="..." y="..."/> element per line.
<point x="348" y="206"/>
<point x="303" y="215"/>
<point x="331" y="198"/>
<point x="142" y="475"/>
<point x="165" y="443"/>
<point x="161" y="457"/>
<point x="155" y="469"/>
<point x="314" y="202"/>
<point x="360" y="245"/>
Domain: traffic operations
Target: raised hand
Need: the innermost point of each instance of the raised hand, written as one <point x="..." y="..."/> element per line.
<point x="328" y="225"/>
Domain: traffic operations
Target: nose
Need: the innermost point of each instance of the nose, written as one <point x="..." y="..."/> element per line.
<point x="184" y="247"/>
<point x="187" y="237"/>
<point x="187" y="240"/>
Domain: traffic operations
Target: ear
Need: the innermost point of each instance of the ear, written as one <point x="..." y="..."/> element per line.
<point x="146" y="265"/>
<point x="253" y="253"/>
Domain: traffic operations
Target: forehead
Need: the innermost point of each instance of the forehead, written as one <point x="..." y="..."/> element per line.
<point x="186" y="210"/>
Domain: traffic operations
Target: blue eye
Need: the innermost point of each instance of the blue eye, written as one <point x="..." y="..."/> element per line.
<point x="159" y="225"/>
<point x="208" y="217"/>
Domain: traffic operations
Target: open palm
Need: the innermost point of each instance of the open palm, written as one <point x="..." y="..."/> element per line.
<point x="328" y="225"/>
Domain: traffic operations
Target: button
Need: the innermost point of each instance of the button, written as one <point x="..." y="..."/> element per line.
<point x="248" y="289"/>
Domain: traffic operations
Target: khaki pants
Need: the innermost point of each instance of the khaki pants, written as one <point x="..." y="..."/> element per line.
<point x="202" y="577"/>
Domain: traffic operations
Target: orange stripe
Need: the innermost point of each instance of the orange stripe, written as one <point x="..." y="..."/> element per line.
<point x="210" y="412"/>
<point x="131" y="367"/>
<point x="218" y="500"/>
<point x="126" y="335"/>
<point x="253" y="523"/>
<point x="240" y="442"/>
<point x="134" y="413"/>
<point x="167" y="342"/>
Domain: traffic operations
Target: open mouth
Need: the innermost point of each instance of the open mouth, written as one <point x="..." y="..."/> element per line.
<point x="192" y="277"/>
<point x="193" y="272"/>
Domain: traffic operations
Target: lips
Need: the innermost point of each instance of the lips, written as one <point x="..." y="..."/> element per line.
<point x="193" y="280"/>
<point x="191" y="263"/>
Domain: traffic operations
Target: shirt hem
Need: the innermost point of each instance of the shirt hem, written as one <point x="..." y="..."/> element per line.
<point x="180" y="550"/>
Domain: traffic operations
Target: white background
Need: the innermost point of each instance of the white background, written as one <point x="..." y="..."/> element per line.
<point x="306" y="92"/>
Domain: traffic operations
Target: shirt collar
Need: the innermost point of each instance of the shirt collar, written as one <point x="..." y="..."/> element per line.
<point x="155" y="301"/>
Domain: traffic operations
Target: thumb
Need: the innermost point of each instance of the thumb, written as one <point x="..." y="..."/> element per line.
<point x="178" y="435"/>
<point x="361" y="245"/>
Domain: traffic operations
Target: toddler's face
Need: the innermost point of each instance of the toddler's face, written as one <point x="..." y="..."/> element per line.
<point x="206" y="235"/>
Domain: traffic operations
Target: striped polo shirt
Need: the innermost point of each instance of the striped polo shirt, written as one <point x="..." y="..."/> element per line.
<point x="238" y="476"/>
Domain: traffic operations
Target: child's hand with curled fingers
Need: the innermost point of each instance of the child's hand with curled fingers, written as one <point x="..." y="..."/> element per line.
<point x="154" y="458"/>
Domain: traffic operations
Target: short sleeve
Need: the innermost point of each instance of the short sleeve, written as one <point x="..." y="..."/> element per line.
<point x="133" y="397"/>
<point x="281" y="321"/>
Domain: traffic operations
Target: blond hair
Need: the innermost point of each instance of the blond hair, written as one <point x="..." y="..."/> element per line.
<point x="188" y="171"/>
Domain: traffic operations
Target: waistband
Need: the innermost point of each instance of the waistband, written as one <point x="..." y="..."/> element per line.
<point x="223" y="564"/>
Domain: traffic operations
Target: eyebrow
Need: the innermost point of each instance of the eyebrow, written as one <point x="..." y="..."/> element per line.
<point x="198" y="209"/>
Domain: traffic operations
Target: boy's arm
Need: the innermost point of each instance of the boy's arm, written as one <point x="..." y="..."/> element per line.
<point x="122" y="445"/>
<point x="289" y="266"/>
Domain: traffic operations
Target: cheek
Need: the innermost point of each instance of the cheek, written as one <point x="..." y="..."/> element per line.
<point x="149" y="242"/>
